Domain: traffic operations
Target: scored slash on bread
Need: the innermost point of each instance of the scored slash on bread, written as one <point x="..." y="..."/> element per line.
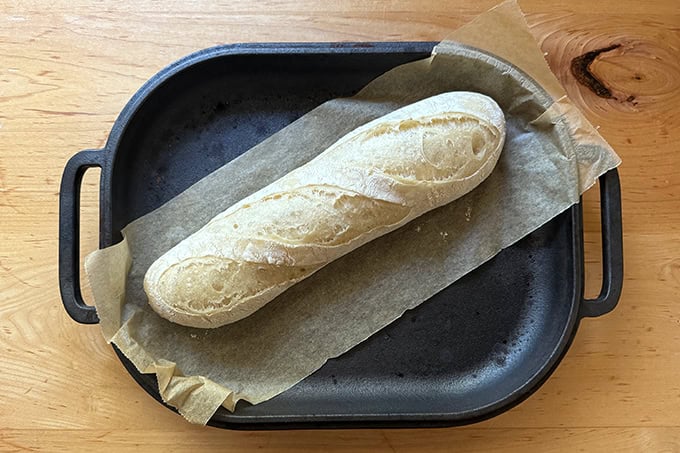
<point x="371" y="181"/>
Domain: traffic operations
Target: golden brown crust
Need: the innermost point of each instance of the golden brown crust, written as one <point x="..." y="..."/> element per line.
<point x="371" y="181"/>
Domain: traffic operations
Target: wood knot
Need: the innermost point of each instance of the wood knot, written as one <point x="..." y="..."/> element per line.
<point x="631" y="72"/>
<point x="580" y="69"/>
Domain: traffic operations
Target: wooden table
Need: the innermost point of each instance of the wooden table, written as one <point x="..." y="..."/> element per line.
<point x="67" y="69"/>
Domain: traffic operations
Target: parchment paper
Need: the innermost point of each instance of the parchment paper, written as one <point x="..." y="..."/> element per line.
<point x="551" y="156"/>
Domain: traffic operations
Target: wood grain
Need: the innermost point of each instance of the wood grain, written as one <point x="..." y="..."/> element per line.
<point x="69" y="68"/>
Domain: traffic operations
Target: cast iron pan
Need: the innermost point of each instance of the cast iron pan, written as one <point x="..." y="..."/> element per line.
<point x="440" y="364"/>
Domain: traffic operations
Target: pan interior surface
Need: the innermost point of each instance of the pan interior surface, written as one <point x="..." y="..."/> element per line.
<point x="469" y="347"/>
<point x="215" y="110"/>
<point x="472" y="346"/>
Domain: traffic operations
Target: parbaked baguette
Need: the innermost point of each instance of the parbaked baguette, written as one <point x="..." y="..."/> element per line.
<point x="370" y="182"/>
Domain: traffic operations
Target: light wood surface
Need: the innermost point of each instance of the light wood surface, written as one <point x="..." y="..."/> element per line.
<point x="68" y="67"/>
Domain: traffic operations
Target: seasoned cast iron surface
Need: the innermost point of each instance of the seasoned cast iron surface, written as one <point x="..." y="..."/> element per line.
<point x="473" y="344"/>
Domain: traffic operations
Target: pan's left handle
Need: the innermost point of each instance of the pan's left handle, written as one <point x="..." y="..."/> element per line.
<point x="69" y="235"/>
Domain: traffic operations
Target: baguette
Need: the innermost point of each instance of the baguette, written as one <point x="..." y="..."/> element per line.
<point x="370" y="182"/>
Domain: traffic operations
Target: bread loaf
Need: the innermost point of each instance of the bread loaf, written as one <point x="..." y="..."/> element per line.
<point x="370" y="182"/>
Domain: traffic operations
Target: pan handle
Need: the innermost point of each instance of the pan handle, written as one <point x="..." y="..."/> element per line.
<point x="612" y="248"/>
<point x="69" y="235"/>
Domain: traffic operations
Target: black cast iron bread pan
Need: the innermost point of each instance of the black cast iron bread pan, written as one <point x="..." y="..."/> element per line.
<point x="440" y="364"/>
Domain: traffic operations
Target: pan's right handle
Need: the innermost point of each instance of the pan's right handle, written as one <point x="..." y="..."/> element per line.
<point x="69" y="235"/>
<point x="612" y="248"/>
